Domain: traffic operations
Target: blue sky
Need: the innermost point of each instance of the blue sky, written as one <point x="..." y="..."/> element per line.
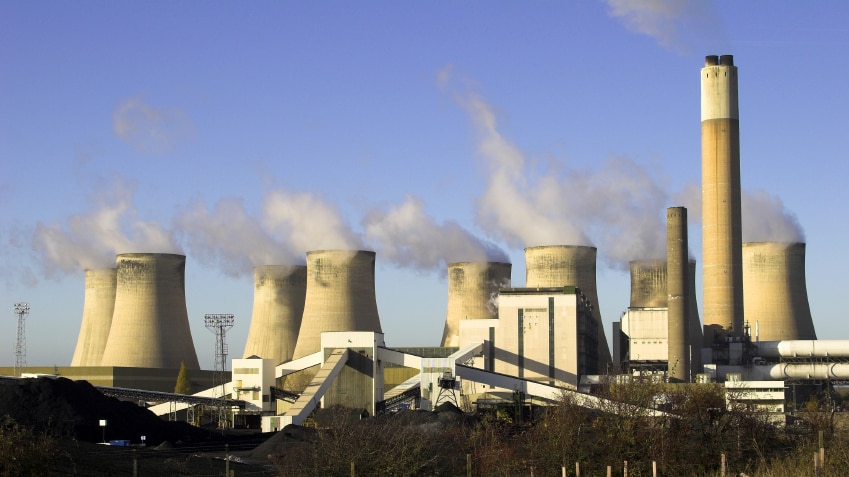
<point x="248" y="133"/>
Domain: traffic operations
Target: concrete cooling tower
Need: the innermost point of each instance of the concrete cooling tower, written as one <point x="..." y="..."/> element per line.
<point x="648" y="283"/>
<point x="568" y="265"/>
<point x="150" y="324"/>
<point x="97" y="316"/>
<point x="721" y="216"/>
<point x="340" y="296"/>
<point x="472" y="291"/>
<point x="648" y="290"/>
<point x="279" y="294"/>
<point x="775" y="292"/>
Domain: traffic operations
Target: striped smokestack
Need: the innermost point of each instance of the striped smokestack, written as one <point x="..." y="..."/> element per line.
<point x="721" y="224"/>
<point x="776" y="295"/>
<point x="678" y="321"/>
<point x="97" y="316"/>
<point x="472" y="288"/>
<point x="150" y="324"/>
<point x="340" y="297"/>
<point x="568" y="265"/>
<point x="279" y="294"/>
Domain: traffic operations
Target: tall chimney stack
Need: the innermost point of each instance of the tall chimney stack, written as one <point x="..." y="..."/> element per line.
<point x="678" y="324"/>
<point x="721" y="224"/>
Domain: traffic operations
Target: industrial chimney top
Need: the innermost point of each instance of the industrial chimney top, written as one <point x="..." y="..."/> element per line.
<point x="724" y="60"/>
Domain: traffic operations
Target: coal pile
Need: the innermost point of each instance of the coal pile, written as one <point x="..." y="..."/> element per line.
<point x="74" y="409"/>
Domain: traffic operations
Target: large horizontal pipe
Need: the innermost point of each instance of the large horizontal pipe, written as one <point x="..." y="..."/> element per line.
<point x="786" y="371"/>
<point x="804" y="349"/>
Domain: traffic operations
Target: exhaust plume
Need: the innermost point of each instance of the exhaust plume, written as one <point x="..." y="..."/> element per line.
<point x="617" y="208"/>
<point x="406" y="236"/>
<point x="92" y="240"/>
<point x="229" y="237"/>
<point x="677" y="25"/>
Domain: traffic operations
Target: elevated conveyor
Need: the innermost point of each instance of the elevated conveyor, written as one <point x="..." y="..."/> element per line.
<point x="314" y="391"/>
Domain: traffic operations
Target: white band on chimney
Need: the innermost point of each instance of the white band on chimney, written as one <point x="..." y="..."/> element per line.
<point x="719" y="93"/>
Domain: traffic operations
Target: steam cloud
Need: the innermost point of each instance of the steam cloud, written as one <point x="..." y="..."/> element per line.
<point x="148" y="129"/>
<point x="92" y="240"/>
<point x="306" y="222"/>
<point x="765" y="217"/>
<point x="407" y="236"/>
<point x="620" y="207"/>
<point x="675" y="24"/>
<point x="229" y="237"/>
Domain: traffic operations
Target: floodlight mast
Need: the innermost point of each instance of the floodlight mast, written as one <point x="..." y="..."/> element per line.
<point x="22" y="310"/>
<point x="219" y="324"/>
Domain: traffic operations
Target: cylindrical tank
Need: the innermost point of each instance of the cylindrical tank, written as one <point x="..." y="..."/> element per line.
<point x="472" y="291"/>
<point x="568" y="265"/>
<point x="150" y="324"/>
<point x="279" y="294"/>
<point x="678" y="317"/>
<point x="775" y="291"/>
<point x="98" y="307"/>
<point x="721" y="212"/>
<point x="340" y="296"/>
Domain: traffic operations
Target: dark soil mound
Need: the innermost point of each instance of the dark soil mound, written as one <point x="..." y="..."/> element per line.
<point x="66" y="408"/>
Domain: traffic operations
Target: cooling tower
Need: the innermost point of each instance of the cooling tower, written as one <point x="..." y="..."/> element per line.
<point x="721" y="225"/>
<point x="150" y="324"/>
<point x="568" y="265"/>
<point x="472" y="291"/>
<point x="776" y="296"/>
<point x="279" y="293"/>
<point x="98" y="307"/>
<point x="340" y="296"/>
<point x="648" y="283"/>
<point x="678" y="293"/>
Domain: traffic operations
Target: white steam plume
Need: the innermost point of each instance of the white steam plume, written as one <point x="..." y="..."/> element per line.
<point x="149" y="129"/>
<point x="677" y="25"/>
<point x="766" y="219"/>
<point x="620" y="208"/>
<point x="407" y="236"/>
<point x="92" y="240"/>
<point x="305" y="222"/>
<point x="764" y="216"/>
<point x="229" y="237"/>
